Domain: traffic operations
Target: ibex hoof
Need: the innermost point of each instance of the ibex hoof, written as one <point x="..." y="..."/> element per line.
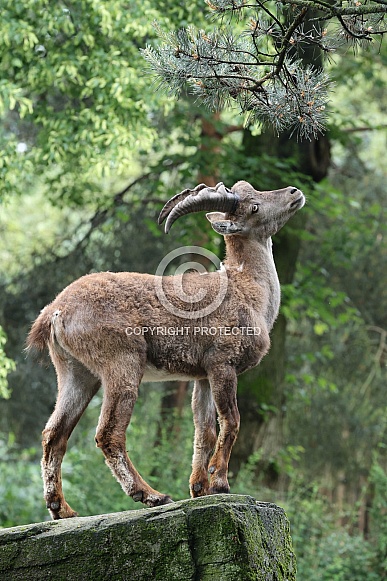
<point x="166" y="500"/>
<point x="158" y="501"/>
<point x="220" y="489"/>
<point x="138" y="496"/>
<point x="197" y="487"/>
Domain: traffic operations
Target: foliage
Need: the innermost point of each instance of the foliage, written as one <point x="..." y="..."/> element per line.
<point x="378" y="512"/>
<point x="20" y="485"/>
<point x="6" y="365"/>
<point x="324" y="551"/>
<point x="25" y="236"/>
<point x="73" y="104"/>
<point x="337" y="375"/>
<point x="259" y="66"/>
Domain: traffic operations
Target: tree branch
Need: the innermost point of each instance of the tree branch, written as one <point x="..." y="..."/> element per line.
<point x="94" y="222"/>
<point x="331" y="11"/>
<point x="223" y="66"/>
<point x="365" y="128"/>
<point x="286" y="40"/>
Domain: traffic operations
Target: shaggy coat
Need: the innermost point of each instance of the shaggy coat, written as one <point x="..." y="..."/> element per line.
<point x="113" y="329"/>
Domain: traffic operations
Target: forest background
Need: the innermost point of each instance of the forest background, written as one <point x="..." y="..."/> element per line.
<point x="90" y="150"/>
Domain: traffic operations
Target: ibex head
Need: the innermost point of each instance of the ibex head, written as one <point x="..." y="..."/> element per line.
<point x="241" y="211"/>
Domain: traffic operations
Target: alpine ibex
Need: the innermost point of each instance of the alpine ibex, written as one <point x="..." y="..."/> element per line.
<point x="114" y="329"/>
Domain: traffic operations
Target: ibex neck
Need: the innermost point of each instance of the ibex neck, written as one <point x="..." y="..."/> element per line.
<point x="255" y="256"/>
<point x="254" y="260"/>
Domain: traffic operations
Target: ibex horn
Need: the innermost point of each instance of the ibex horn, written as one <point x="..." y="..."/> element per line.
<point x="201" y="198"/>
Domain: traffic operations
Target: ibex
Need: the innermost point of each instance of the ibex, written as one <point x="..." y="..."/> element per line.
<point x="113" y="329"/>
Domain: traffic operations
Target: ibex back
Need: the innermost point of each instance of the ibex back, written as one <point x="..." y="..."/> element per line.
<point x="98" y="331"/>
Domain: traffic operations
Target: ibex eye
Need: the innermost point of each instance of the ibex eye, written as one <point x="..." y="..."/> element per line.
<point x="254" y="208"/>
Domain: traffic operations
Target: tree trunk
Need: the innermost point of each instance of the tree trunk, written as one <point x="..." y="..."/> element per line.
<point x="261" y="392"/>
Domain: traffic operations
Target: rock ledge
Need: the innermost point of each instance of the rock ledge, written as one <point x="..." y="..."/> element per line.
<point x="213" y="538"/>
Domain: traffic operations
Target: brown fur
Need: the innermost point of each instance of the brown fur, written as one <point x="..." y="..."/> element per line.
<point x="40" y="332"/>
<point x="86" y="331"/>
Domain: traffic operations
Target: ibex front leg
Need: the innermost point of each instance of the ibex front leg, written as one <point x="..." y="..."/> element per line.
<point x="204" y="415"/>
<point x="223" y="386"/>
<point x="120" y="394"/>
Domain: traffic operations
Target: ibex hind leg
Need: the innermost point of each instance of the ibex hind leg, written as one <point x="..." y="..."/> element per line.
<point x="76" y="387"/>
<point x="204" y="415"/>
<point x="120" y="394"/>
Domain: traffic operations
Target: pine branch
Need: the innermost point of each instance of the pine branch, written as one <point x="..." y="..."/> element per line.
<point x="258" y="69"/>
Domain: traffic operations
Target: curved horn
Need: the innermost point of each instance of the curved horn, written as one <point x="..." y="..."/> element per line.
<point x="176" y="199"/>
<point x="219" y="198"/>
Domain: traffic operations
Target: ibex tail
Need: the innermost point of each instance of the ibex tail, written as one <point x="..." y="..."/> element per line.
<point x="40" y="333"/>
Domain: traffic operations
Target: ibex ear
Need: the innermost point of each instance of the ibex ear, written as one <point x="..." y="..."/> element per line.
<point x="215" y="216"/>
<point x="222" y="226"/>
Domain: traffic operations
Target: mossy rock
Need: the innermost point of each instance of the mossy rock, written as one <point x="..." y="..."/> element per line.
<point x="214" y="538"/>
